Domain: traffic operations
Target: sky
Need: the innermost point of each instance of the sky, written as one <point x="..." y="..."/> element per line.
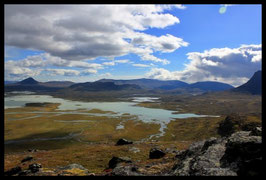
<point x="82" y="43"/>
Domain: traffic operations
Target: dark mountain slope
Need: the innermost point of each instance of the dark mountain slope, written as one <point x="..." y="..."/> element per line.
<point x="211" y="86"/>
<point x="29" y="81"/>
<point x="30" y="84"/>
<point x="57" y="83"/>
<point x="150" y="83"/>
<point x="103" y="86"/>
<point x="253" y="86"/>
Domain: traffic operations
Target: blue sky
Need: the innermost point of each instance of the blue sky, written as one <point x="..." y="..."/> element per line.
<point x="184" y="42"/>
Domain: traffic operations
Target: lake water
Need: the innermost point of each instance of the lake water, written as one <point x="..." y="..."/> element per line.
<point x="147" y="115"/>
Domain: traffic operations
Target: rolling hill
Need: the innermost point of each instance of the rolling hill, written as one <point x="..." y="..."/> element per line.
<point x="211" y="86"/>
<point x="31" y="84"/>
<point x="102" y="86"/>
<point x="150" y="83"/>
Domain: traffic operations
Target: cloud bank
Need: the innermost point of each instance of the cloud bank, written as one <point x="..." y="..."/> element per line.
<point x="229" y="65"/>
<point x="82" y="32"/>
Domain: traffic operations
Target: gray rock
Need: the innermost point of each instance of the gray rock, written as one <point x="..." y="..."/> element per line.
<point x="182" y="168"/>
<point x="129" y="170"/>
<point x="34" y="167"/>
<point x="239" y="154"/>
<point x="180" y="154"/>
<point x="208" y="160"/>
<point x="194" y="149"/>
<point x="242" y="150"/>
<point x="208" y="143"/>
<point x="217" y="172"/>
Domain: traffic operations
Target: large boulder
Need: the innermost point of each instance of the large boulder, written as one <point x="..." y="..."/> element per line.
<point x="123" y="142"/>
<point x="195" y="148"/>
<point x="156" y="153"/>
<point x="34" y="167"/>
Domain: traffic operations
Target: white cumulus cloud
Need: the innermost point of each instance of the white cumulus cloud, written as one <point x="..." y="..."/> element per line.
<point x="86" y="32"/>
<point x="229" y="65"/>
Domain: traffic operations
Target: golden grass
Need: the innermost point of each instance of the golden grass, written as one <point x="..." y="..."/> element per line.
<point x="192" y="129"/>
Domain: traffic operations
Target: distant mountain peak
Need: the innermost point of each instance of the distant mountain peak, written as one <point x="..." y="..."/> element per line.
<point x="253" y="85"/>
<point x="29" y="80"/>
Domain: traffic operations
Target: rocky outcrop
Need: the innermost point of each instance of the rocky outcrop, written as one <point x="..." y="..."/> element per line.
<point x="243" y="153"/>
<point x="235" y="122"/>
<point x="34" y="167"/>
<point x="17" y="171"/>
<point x="128" y="170"/>
<point x="238" y="154"/>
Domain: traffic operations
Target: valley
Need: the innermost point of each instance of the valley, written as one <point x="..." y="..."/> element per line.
<point x="88" y="136"/>
<point x="83" y="126"/>
<point x="132" y="90"/>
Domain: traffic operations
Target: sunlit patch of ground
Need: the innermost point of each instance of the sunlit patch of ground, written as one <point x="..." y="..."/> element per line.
<point x="83" y="127"/>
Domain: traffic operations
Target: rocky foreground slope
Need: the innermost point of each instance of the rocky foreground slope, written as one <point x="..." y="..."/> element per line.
<point x="238" y="154"/>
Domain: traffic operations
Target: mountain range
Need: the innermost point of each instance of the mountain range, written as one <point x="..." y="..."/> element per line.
<point x="31" y="84"/>
<point x="172" y="84"/>
<point x="253" y="86"/>
<point x="103" y="86"/>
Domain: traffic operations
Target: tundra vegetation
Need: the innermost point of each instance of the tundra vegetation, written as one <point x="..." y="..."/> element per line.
<point x="89" y="139"/>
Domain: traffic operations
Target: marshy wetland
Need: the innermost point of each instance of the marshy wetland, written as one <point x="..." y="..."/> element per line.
<point x="66" y="131"/>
